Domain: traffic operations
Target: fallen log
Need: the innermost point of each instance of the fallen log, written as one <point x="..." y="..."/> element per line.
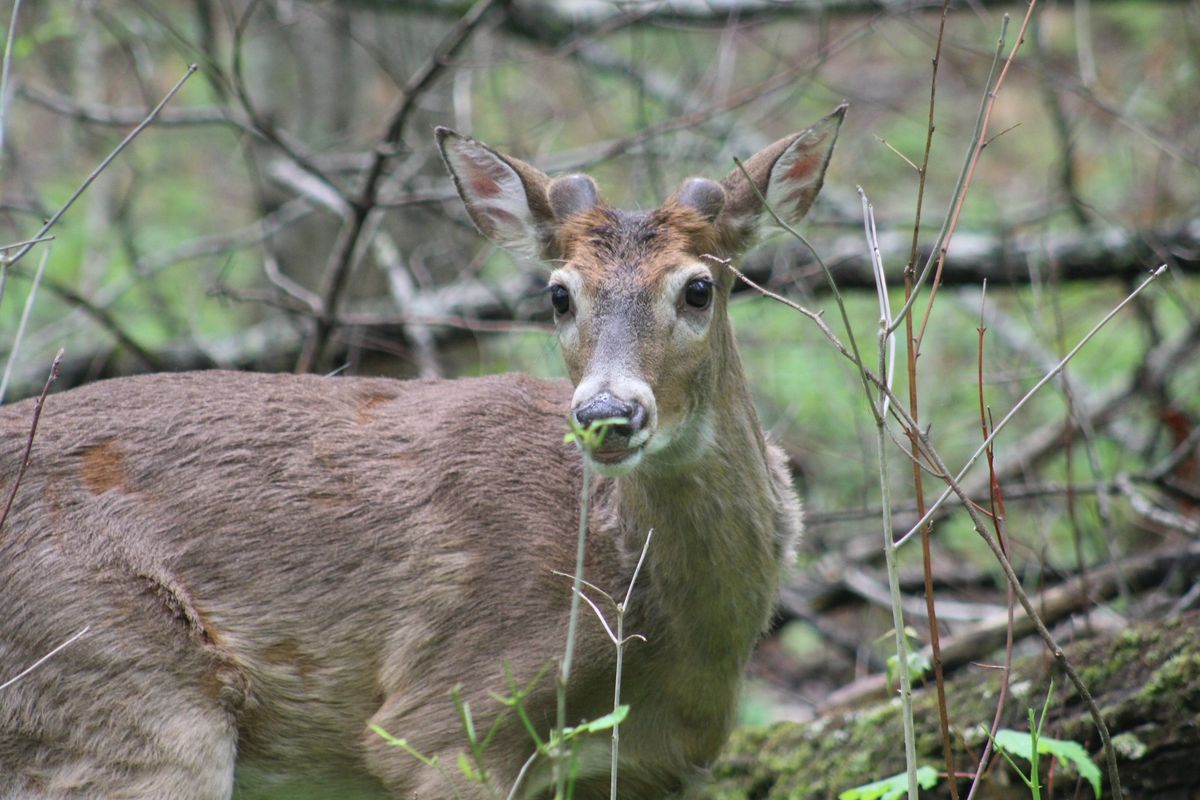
<point x="1145" y="679"/>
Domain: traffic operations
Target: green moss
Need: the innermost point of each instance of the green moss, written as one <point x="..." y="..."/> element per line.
<point x="1177" y="679"/>
<point x="1129" y="746"/>
<point x="1148" y="718"/>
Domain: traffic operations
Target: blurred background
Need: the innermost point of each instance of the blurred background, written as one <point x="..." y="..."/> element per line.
<point x="288" y="209"/>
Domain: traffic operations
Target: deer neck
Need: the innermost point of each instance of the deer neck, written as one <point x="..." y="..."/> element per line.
<point x="712" y="567"/>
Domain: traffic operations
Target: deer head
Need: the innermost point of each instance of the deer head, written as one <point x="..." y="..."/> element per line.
<point x="640" y="298"/>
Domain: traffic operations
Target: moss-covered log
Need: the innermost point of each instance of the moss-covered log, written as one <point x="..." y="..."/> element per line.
<point x="1146" y="681"/>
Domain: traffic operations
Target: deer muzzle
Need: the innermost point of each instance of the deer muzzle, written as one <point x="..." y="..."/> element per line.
<point x="623" y="438"/>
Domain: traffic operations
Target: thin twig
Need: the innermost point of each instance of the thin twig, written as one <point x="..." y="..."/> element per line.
<point x="4" y="71"/>
<point x="15" y="245"/>
<point x="133" y="134"/>
<point x="1049" y="376"/>
<point x="20" y="334"/>
<point x="996" y="500"/>
<point x="37" y="414"/>
<point x="960" y="186"/>
<point x="560" y="773"/>
<point x="935" y="645"/>
<point x="622" y="608"/>
<point x="815" y="316"/>
<point x="982" y="142"/>
<point x="887" y="350"/>
<point x="854" y="354"/>
<point x="101" y="315"/>
<point x="124" y="116"/>
<point x="44" y="658"/>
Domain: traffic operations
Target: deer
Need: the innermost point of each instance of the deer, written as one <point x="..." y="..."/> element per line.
<point x="249" y="570"/>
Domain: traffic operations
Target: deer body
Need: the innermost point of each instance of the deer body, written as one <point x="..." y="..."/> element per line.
<point x="267" y="564"/>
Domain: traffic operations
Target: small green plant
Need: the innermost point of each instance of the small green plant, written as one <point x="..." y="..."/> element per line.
<point x="1032" y="745"/>
<point x="559" y="747"/>
<point x="405" y="746"/>
<point x="891" y="788"/>
<point x="471" y="766"/>
<point x="919" y="664"/>
<point x="592" y="436"/>
<point x="587" y="439"/>
<point x="433" y="762"/>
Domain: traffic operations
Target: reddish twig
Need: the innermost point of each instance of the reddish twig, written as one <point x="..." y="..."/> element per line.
<point x="37" y="414"/>
<point x="981" y="142"/>
<point x="996" y="506"/>
<point x="914" y="408"/>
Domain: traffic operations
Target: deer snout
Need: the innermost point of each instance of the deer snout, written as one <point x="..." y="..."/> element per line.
<point x="605" y="396"/>
<point x="605" y="405"/>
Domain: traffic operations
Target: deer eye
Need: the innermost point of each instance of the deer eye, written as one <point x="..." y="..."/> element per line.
<point x="560" y="298"/>
<point x="698" y="293"/>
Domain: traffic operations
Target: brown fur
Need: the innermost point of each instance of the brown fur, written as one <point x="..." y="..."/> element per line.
<point x="642" y="247"/>
<point x="103" y="468"/>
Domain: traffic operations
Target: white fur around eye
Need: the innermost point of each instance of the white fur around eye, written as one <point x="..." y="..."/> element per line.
<point x="696" y="319"/>
<point x="580" y="305"/>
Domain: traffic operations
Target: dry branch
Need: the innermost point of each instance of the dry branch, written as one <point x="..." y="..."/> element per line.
<point x="979" y="641"/>
<point x="459" y="311"/>
<point x="364" y="203"/>
<point x="1102" y="254"/>
<point x="581" y="16"/>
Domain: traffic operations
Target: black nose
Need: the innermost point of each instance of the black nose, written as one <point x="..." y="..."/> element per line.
<point x="605" y="406"/>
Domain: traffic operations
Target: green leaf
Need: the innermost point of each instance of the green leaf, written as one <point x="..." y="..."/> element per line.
<point x="468" y="770"/>
<point x="1069" y="753"/>
<point x="605" y="723"/>
<point x="891" y="788"/>
<point x="405" y="746"/>
<point x="592" y="436"/>
<point x="918" y="666"/>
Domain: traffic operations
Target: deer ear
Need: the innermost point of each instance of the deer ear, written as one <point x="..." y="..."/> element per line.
<point x="703" y="196"/>
<point x="788" y="173"/>
<point x="571" y="195"/>
<point x="506" y="198"/>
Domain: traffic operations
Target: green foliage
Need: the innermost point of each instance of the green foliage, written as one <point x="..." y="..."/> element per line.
<point x="59" y="25"/>
<point x="919" y="664"/>
<point x="891" y="788"/>
<point x="592" y="436"/>
<point x="471" y="762"/>
<point x="405" y="746"/>
<point x="1070" y="754"/>
<point x="1031" y="746"/>
<point x="605" y="723"/>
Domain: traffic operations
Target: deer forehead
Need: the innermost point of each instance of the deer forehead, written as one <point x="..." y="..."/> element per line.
<point x="615" y="251"/>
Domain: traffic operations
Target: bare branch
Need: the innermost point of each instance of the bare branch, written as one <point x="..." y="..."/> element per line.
<point x="104" y="164"/>
<point x="37" y="415"/>
<point x="343" y="256"/>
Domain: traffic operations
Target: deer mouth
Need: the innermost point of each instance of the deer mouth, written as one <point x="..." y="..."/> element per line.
<point x="615" y="456"/>
<point x="617" y="461"/>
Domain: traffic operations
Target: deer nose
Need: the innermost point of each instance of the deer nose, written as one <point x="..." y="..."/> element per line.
<point x="606" y="406"/>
